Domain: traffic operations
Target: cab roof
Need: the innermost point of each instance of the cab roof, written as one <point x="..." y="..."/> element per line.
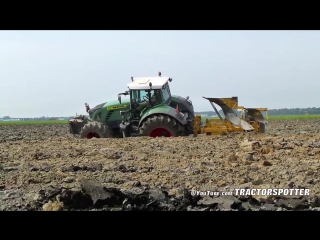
<point x="139" y="83"/>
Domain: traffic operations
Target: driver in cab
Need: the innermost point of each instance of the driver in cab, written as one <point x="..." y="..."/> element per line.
<point x="155" y="99"/>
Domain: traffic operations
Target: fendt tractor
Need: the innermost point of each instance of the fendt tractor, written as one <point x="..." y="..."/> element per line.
<point x="151" y="110"/>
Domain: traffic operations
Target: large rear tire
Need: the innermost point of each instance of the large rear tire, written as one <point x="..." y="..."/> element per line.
<point x="161" y="126"/>
<point x="95" y="129"/>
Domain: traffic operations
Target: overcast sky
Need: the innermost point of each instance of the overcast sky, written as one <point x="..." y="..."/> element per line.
<point x="53" y="73"/>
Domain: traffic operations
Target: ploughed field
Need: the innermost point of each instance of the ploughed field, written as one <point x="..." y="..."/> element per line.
<point x="43" y="167"/>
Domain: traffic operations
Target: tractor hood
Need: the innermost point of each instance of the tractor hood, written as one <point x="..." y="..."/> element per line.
<point x="115" y="105"/>
<point x="99" y="106"/>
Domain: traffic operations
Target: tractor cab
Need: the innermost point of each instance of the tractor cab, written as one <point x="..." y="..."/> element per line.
<point x="141" y="100"/>
<point x="146" y="93"/>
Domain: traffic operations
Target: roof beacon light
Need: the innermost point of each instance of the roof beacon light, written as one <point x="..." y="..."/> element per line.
<point x="159" y="73"/>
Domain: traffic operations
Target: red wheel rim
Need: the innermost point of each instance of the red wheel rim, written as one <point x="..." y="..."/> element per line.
<point x="160" y="132"/>
<point x="90" y="135"/>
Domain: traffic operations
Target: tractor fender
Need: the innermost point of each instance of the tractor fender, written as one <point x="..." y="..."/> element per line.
<point x="165" y="111"/>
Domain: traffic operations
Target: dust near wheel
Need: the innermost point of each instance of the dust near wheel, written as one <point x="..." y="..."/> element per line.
<point x="95" y="129"/>
<point x="262" y="127"/>
<point x="162" y="126"/>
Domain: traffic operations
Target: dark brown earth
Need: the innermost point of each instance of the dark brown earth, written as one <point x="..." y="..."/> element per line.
<point x="45" y="168"/>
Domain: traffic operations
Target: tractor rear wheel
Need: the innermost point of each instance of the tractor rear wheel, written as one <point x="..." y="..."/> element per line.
<point x="95" y="129"/>
<point x="162" y="126"/>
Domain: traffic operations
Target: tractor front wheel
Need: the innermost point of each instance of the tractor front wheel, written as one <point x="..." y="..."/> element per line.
<point x="95" y="129"/>
<point x="161" y="126"/>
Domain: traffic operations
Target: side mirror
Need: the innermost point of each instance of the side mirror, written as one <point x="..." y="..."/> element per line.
<point x="119" y="98"/>
<point x="122" y="113"/>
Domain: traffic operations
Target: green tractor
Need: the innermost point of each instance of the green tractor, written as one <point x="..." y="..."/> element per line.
<point x="150" y="110"/>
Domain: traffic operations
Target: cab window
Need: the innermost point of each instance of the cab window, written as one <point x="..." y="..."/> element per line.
<point x="166" y="92"/>
<point x="142" y="96"/>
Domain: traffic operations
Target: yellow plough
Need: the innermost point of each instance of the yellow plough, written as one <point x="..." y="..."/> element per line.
<point x="250" y="119"/>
